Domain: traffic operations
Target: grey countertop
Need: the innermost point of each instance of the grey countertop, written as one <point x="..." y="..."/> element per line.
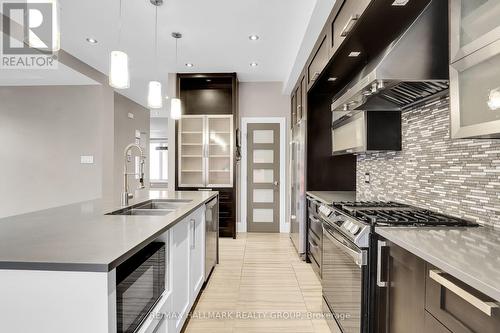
<point x="328" y="197"/>
<point x="80" y="237"/>
<point x="472" y="255"/>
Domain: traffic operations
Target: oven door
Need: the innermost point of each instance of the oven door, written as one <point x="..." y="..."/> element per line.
<point x="345" y="280"/>
<point x="140" y="282"/>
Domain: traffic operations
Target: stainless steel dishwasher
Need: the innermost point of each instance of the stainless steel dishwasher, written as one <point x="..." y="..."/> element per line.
<point x="211" y="236"/>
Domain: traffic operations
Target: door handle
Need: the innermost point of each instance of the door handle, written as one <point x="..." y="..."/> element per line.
<point x="486" y="307"/>
<point x="193" y="231"/>
<point x="276" y="183"/>
<point x="380" y="283"/>
<point x="349" y="25"/>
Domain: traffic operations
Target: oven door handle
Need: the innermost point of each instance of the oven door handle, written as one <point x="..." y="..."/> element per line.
<point x="360" y="258"/>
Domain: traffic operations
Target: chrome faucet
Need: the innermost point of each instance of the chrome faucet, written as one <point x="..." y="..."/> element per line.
<point x="126" y="196"/>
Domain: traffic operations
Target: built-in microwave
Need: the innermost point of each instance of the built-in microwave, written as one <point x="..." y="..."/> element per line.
<point x="140" y="282"/>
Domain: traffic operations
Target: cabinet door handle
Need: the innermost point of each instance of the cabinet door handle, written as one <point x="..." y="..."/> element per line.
<point x="193" y="234"/>
<point x="484" y="306"/>
<point x="349" y="25"/>
<point x="380" y="283"/>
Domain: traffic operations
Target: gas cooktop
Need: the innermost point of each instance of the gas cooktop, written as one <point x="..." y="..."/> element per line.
<point x="396" y="214"/>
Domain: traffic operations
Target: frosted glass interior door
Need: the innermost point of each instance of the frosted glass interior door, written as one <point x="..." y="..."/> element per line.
<point x="191" y="159"/>
<point x="263" y="174"/>
<point x="220" y="151"/>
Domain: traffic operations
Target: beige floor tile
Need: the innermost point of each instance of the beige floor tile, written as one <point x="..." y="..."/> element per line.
<point x="259" y="278"/>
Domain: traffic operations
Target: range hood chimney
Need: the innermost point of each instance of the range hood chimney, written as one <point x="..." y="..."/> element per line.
<point x="412" y="69"/>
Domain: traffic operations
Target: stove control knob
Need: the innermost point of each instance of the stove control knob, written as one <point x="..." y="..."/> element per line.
<point x="354" y="229"/>
<point x="347" y="225"/>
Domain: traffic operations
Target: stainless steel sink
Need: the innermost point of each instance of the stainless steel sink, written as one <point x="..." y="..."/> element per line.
<point x="157" y="207"/>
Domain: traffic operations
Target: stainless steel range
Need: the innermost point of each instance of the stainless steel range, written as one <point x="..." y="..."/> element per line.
<point x="351" y="264"/>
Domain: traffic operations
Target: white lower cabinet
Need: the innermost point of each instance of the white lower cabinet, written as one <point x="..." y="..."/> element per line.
<point x="180" y="274"/>
<point x="197" y="253"/>
<point x="187" y="266"/>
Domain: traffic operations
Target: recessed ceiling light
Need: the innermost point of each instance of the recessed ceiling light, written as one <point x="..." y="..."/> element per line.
<point x="400" y="2"/>
<point x="253" y="64"/>
<point x="253" y="37"/>
<point x="354" y="54"/>
<point x="189" y="64"/>
<point x="91" y="40"/>
<point x="209" y="80"/>
<point x="332" y="79"/>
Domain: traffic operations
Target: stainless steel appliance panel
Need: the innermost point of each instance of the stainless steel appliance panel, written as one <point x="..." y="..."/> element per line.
<point x="344" y="280"/>
<point x="298" y="188"/>
<point x="211" y="236"/>
<point x="140" y="282"/>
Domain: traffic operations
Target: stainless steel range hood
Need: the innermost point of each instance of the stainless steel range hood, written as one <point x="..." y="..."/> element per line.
<point x="410" y="70"/>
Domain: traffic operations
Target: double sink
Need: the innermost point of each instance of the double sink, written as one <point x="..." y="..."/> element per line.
<point x="156" y="207"/>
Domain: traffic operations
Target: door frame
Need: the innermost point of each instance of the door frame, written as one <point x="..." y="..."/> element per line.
<point x="242" y="225"/>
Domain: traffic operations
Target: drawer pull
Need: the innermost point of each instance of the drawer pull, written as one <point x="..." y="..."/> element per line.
<point x="484" y="306"/>
<point x="349" y="25"/>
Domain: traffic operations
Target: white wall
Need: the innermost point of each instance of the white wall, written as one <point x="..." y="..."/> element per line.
<point x="125" y="129"/>
<point x="43" y="132"/>
<point x="264" y="99"/>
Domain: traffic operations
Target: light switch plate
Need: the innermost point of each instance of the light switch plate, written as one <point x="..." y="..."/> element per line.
<point x="87" y="159"/>
<point x="367" y="178"/>
<point x="130" y="115"/>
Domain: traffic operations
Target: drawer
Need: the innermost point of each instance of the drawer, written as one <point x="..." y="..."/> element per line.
<point x="226" y="196"/>
<point x="315" y="226"/>
<point x="318" y="62"/>
<point x="431" y="325"/>
<point x="347" y="18"/>
<point x="312" y="206"/>
<point x="314" y="248"/>
<point x="227" y="208"/>
<point x="457" y="306"/>
<point x="315" y="266"/>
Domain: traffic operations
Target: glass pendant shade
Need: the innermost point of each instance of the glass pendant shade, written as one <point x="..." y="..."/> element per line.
<point x="155" y="100"/>
<point x="119" y="76"/>
<point x="175" y="108"/>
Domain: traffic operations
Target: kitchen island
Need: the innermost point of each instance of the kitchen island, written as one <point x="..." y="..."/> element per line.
<point x="58" y="266"/>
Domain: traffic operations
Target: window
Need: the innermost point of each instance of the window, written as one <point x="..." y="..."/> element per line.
<point x="158" y="164"/>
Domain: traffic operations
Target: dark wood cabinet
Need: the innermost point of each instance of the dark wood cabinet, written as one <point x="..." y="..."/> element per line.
<point x="460" y="308"/>
<point x="421" y="298"/>
<point x="216" y="95"/>
<point x="401" y="306"/>
<point x="314" y="246"/>
<point x="318" y="62"/>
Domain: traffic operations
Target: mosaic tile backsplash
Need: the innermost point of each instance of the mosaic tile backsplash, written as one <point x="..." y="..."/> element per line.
<point x="456" y="177"/>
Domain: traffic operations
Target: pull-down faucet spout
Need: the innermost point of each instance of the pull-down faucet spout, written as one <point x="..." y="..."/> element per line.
<point x="126" y="196"/>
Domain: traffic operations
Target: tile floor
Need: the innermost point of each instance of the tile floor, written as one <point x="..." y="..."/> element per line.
<point x="260" y="278"/>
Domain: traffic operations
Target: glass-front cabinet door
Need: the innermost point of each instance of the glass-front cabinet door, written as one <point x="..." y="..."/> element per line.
<point x="475" y="94"/>
<point x="191" y="162"/>
<point x="205" y="156"/>
<point x="473" y="25"/>
<point x="219" y="151"/>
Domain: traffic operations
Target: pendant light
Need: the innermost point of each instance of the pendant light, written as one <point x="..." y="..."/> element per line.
<point x="155" y="100"/>
<point x="119" y="75"/>
<point x="175" y="104"/>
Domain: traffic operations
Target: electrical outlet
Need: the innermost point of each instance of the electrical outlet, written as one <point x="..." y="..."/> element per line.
<point x="86" y="159"/>
<point x="367" y="178"/>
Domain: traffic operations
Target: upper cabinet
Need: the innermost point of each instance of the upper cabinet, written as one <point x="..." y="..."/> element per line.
<point x="318" y="62"/>
<point x="473" y="25"/>
<point x="345" y="21"/>
<point x="475" y="68"/>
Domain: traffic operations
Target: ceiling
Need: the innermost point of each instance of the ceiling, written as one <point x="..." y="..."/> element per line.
<point x="215" y="37"/>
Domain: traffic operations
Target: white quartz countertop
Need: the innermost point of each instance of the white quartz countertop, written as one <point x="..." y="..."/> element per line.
<point x="472" y="255"/>
<point x="80" y="237"/>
